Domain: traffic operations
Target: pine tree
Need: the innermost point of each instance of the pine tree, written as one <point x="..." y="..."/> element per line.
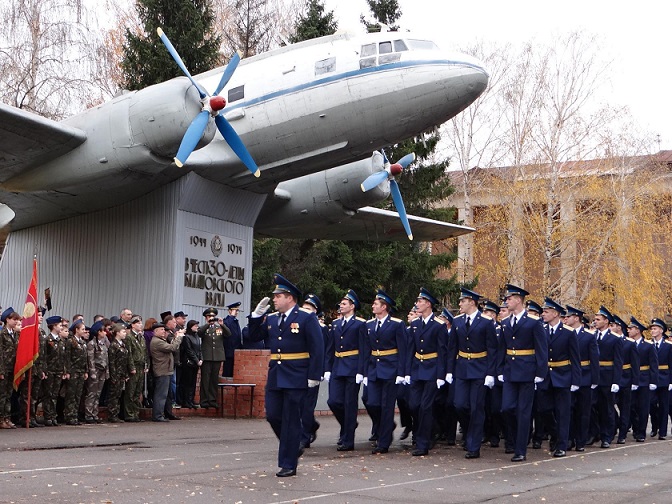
<point x="314" y="22"/>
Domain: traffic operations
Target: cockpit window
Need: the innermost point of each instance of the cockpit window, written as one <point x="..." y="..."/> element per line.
<point x="422" y="45"/>
<point x="385" y="48"/>
<point x="368" y="50"/>
<point x="325" y="66"/>
<point x="400" y="45"/>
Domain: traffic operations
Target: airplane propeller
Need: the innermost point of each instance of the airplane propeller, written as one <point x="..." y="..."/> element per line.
<point x="388" y="172"/>
<point x="212" y="106"/>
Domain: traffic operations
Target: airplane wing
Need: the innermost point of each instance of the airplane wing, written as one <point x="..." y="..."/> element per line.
<point x="27" y="140"/>
<point x="373" y="224"/>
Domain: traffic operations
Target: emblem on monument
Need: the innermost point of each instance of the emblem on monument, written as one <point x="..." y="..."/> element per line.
<point x="216" y="246"/>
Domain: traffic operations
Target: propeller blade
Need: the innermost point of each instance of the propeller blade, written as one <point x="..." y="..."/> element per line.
<point x="373" y="180"/>
<point x="173" y="52"/>
<point x="401" y="209"/>
<point x="236" y="144"/>
<point x="387" y="161"/>
<point x="407" y="159"/>
<point x="192" y="137"/>
<point x="228" y="72"/>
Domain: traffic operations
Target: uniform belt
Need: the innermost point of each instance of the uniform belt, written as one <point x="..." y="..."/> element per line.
<point x="561" y="363"/>
<point x="644" y="368"/>
<point x="663" y="366"/>
<point x="423" y="357"/>
<point x="513" y="351"/>
<point x="379" y="353"/>
<point x="585" y="363"/>
<point x="349" y="353"/>
<point x="470" y="355"/>
<point x="606" y="363"/>
<point x="627" y="366"/>
<point x="290" y="356"/>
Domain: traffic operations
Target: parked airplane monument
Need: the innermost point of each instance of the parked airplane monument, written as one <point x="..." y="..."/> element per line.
<point x="115" y="222"/>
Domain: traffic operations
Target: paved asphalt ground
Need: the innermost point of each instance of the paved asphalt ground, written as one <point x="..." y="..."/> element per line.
<point x="234" y="461"/>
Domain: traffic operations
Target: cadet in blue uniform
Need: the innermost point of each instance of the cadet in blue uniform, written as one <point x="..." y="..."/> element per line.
<point x="472" y="361"/>
<point x="590" y="376"/>
<point x="297" y="353"/>
<point x="384" y="366"/>
<point x="629" y="377"/>
<point x="523" y="362"/>
<point x="233" y="342"/>
<point x="494" y="424"/>
<point x="345" y="348"/>
<point x="425" y="368"/>
<point x="564" y="374"/>
<point x="648" y="379"/>
<point x="660" y="398"/>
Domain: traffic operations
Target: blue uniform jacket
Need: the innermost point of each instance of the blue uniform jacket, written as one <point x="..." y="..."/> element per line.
<point x="590" y="358"/>
<point x="349" y="341"/>
<point x="528" y="335"/>
<point x="564" y="359"/>
<point x="433" y="339"/>
<point x="300" y="334"/>
<point x="235" y="341"/>
<point x="611" y="359"/>
<point x="463" y="343"/>
<point x="664" y="363"/>
<point x="390" y="336"/>
<point x="648" y="363"/>
<point x="630" y="374"/>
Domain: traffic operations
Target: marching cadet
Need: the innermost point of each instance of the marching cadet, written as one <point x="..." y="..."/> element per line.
<point x="503" y="311"/>
<point x="611" y="368"/>
<point x="309" y="423"/>
<point x="39" y="374"/>
<point x="383" y="365"/>
<point x="445" y="416"/>
<point x="76" y="366"/>
<point x="648" y="379"/>
<point x="425" y="368"/>
<point x="121" y="368"/>
<point x="660" y="398"/>
<point x="137" y="349"/>
<point x="554" y="394"/>
<point x="55" y="369"/>
<point x="590" y="377"/>
<point x="523" y="363"/>
<point x="99" y="371"/>
<point x="212" y="335"/>
<point x="345" y="348"/>
<point x="295" y="339"/>
<point x="9" y="339"/>
<point x="629" y="377"/>
<point x="234" y="341"/>
<point x="472" y="360"/>
<point x="405" y="415"/>
<point x="494" y="422"/>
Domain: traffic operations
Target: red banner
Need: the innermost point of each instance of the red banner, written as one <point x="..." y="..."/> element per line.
<point x="29" y="340"/>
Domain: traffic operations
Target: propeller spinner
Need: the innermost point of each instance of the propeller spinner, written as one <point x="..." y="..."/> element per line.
<point x="388" y="173"/>
<point x="211" y="107"/>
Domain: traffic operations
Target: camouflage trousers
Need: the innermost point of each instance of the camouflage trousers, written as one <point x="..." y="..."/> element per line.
<point x="114" y="397"/>
<point x="51" y="387"/>
<point x="94" y="386"/>
<point x="73" y="397"/>
<point x="134" y="389"/>
<point x="6" y="397"/>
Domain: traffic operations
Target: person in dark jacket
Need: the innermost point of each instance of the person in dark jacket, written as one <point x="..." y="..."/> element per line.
<point x="192" y="360"/>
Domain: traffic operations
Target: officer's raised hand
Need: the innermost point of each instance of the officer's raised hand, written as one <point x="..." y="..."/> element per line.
<point x="262" y="307"/>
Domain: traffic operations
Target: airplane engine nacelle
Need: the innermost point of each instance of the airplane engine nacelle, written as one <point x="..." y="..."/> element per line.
<point x="160" y="115"/>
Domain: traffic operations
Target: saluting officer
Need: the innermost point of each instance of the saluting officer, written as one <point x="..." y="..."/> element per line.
<point x="294" y="336"/>
<point x="629" y="377"/>
<point x="660" y="398"/>
<point x="523" y="362"/>
<point x="345" y="348"/>
<point x="425" y="368"/>
<point x="648" y="379"/>
<point x="212" y="335"/>
<point x="383" y="365"/>
<point x="472" y="361"/>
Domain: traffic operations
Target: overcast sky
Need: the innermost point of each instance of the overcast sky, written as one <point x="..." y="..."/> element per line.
<point x="635" y="35"/>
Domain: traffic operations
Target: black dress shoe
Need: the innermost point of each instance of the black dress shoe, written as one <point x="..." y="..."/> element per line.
<point x="654" y="433"/>
<point x="115" y="420"/>
<point x="343" y="448"/>
<point x="509" y="451"/>
<point x="662" y="438"/>
<point x="591" y="441"/>
<point x="373" y="438"/>
<point x="494" y="444"/>
<point x="173" y="417"/>
<point x="620" y="441"/>
<point x="159" y="420"/>
<point x="419" y="453"/>
<point x="536" y="444"/>
<point x="72" y="422"/>
<point x="301" y="450"/>
<point x="640" y="439"/>
<point x="313" y="435"/>
<point x="559" y="453"/>
<point x="518" y="458"/>
<point x="283" y="473"/>
<point x="377" y="451"/>
<point x="404" y="434"/>
<point x="580" y="449"/>
<point x="605" y="444"/>
<point x="472" y="454"/>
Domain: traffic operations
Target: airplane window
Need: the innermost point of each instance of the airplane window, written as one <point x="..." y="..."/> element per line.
<point x="325" y="66"/>
<point x="368" y="50"/>
<point x="388" y="58"/>
<point x="399" y="45"/>
<point x="422" y="45"/>
<point x="237" y="93"/>
<point x="385" y="47"/>
<point x="367" y="62"/>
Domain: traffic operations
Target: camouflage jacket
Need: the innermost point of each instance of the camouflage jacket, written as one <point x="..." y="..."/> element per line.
<point x="55" y="355"/>
<point x="138" y="349"/>
<point x="8" y="343"/>
<point x="98" y="359"/>
<point x="119" y="361"/>
<point x="75" y="356"/>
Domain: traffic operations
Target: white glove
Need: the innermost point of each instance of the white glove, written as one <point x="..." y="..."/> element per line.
<point x="365" y="381"/>
<point x="653" y="386"/>
<point x="359" y="378"/>
<point x="573" y="388"/>
<point x="500" y="378"/>
<point x="634" y="387"/>
<point x="669" y="387"/>
<point x="489" y="381"/>
<point x="593" y="386"/>
<point x="327" y="376"/>
<point x="407" y="379"/>
<point x="615" y="388"/>
<point x="313" y="383"/>
<point x="538" y="379"/>
<point x="261" y="307"/>
<point x="399" y="380"/>
<point x="449" y="378"/>
<point x="440" y="383"/>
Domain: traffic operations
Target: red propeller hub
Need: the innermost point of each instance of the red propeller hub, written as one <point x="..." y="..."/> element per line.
<point x="396" y="169"/>
<point x="217" y="103"/>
